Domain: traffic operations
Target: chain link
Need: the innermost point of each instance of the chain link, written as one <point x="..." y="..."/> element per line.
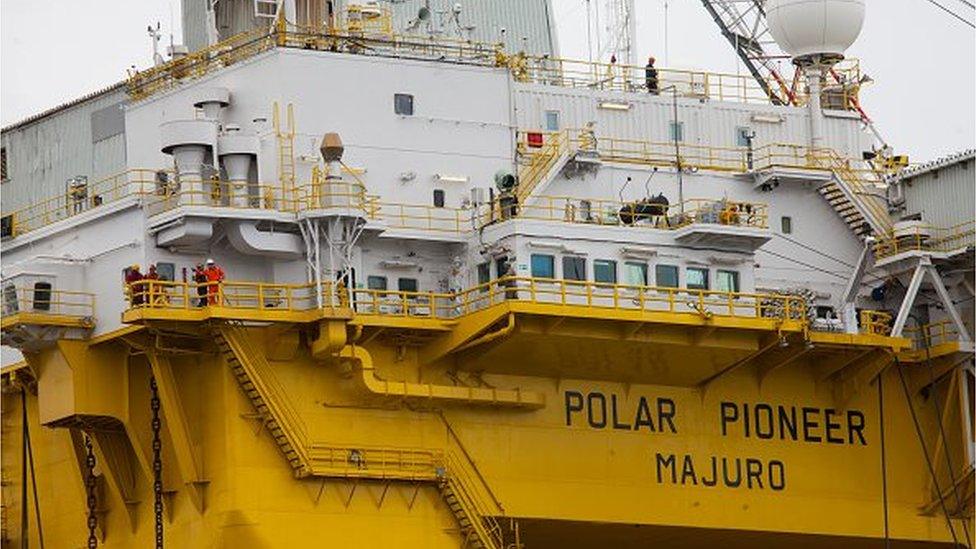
<point x="90" y="488"/>
<point x="157" y="464"/>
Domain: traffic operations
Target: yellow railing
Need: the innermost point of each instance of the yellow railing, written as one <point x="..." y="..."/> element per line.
<point x="163" y="294"/>
<point x="875" y="322"/>
<point x="930" y="335"/>
<point x="84" y="197"/>
<point x="154" y="294"/>
<point x="357" y="34"/>
<point x="638" y="213"/>
<point x="375" y="462"/>
<point x="921" y="238"/>
<point x="35" y="300"/>
<point x="199" y="63"/>
<point x="700" y="157"/>
<point x="220" y="194"/>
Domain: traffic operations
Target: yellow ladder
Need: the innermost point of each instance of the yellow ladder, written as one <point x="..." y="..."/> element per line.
<point x="286" y="152"/>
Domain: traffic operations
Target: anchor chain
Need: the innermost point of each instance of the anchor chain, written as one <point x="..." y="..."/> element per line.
<point x="157" y="463"/>
<point x="90" y="487"/>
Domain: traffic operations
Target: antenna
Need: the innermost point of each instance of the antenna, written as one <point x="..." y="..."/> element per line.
<point x="155" y="35"/>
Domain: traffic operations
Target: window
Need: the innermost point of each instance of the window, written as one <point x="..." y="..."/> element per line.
<point x="696" y="278"/>
<point x="501" y="267"/>
<point x="438" y="198"/>
<point x="605" y="271"/>
<point x="666" y="276"/>
<point x="166" y="271"/>
<point x="484" y="273"/>
<point x="727" y="281"/>
<point x="407" y="284"/>
<point x="552" y="121"/>
<point x="574" y="268"/>
<point x="635" y="274"/>
<point x="3" y="164"/>
<point x="786" y="224"/>
<point x="543" y="266"/>
<point x="376" y="282"/>
<point x="403" y="104"/>
<point x="676" y="131"/>
<point x="42" y="296"/>
<point x="743" y="137"/>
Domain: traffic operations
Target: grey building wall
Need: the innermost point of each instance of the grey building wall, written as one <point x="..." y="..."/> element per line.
<point x="528" y="24"/>
<point x="944" y="193"/>
<point x="85" y="137"/>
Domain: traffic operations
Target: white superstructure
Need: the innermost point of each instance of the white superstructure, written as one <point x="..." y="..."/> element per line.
<point x="222" y="160"/>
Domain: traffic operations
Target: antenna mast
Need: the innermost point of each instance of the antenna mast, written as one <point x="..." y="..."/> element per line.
<point x="620" y="30"/>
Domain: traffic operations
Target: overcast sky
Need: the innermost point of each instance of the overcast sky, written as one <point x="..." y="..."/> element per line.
<point x="921" y="59"/>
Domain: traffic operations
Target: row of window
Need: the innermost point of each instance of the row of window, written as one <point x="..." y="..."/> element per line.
<point x="404" y="284"/>
<point x="634" y="273"/>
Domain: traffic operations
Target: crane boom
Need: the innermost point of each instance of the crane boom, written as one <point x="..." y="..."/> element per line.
<point x="743" y="24"/>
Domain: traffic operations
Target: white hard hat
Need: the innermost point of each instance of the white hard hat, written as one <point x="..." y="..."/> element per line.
<point x="210" y="261"/>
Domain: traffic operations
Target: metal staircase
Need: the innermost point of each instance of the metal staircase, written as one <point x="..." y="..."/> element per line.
<point x="543" y="165"/>
<point x="467" y="495"/>
<point x="459" y="482"/>
<point x="266" y="397"/>
<point x="855" y="199"/>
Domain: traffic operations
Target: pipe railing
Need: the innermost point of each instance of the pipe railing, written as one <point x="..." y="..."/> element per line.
<point x="637" y="213"/>
<point x="47" y="301"/>
<point x="925" y="238"/>
<point x="166" y="295"/>
<point x="82" y="197"/>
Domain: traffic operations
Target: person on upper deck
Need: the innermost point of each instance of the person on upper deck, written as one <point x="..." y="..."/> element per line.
<point x="152" y="290"/>
<point x="133" y="279"/>
<point x="650" y="76"/>
<point x="200" y="281"/>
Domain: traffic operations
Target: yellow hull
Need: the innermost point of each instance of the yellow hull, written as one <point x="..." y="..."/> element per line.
<point x="296" y="437"/>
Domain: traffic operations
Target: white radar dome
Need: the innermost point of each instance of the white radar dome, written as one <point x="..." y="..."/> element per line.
<point x="805" y="28"/>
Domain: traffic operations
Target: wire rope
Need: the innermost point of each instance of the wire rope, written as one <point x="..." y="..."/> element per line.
<point x="952" y="13"/>
<point x="925" y="452"/>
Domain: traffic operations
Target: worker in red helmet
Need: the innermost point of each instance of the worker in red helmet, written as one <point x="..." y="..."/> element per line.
<point x="152" y="287"/>
<point x="133" y="281"/>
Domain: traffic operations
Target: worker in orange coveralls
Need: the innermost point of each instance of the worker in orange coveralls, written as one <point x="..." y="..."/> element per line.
<point x="215" y="276"/>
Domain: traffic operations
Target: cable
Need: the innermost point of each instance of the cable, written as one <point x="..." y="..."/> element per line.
<point x="884" y="462"/>
<point x="814" y="250"/>
<point x="968" y="3"/>
<point x="798" y="262"/>
<point x="952" y="13"/>
<point x="942" y="433"/>
<point x="925" y="451"/>
<point x="30" y="460"/>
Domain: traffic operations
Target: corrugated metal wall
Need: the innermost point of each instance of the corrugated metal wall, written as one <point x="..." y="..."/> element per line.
<point x="705" y="123"/>
<point x="43" y="154"/>
<point x="945" y="197"/>
<point x="194" y="17"/>
<point x="528" y="23"/>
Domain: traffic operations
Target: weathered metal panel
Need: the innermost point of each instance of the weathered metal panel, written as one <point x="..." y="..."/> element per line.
<point x="527" y="23"/>
<point x="43" y="153"/>
<point x="194" y="23"/>
<point x="108" y="122"/>
<point x="944" y="196"/>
